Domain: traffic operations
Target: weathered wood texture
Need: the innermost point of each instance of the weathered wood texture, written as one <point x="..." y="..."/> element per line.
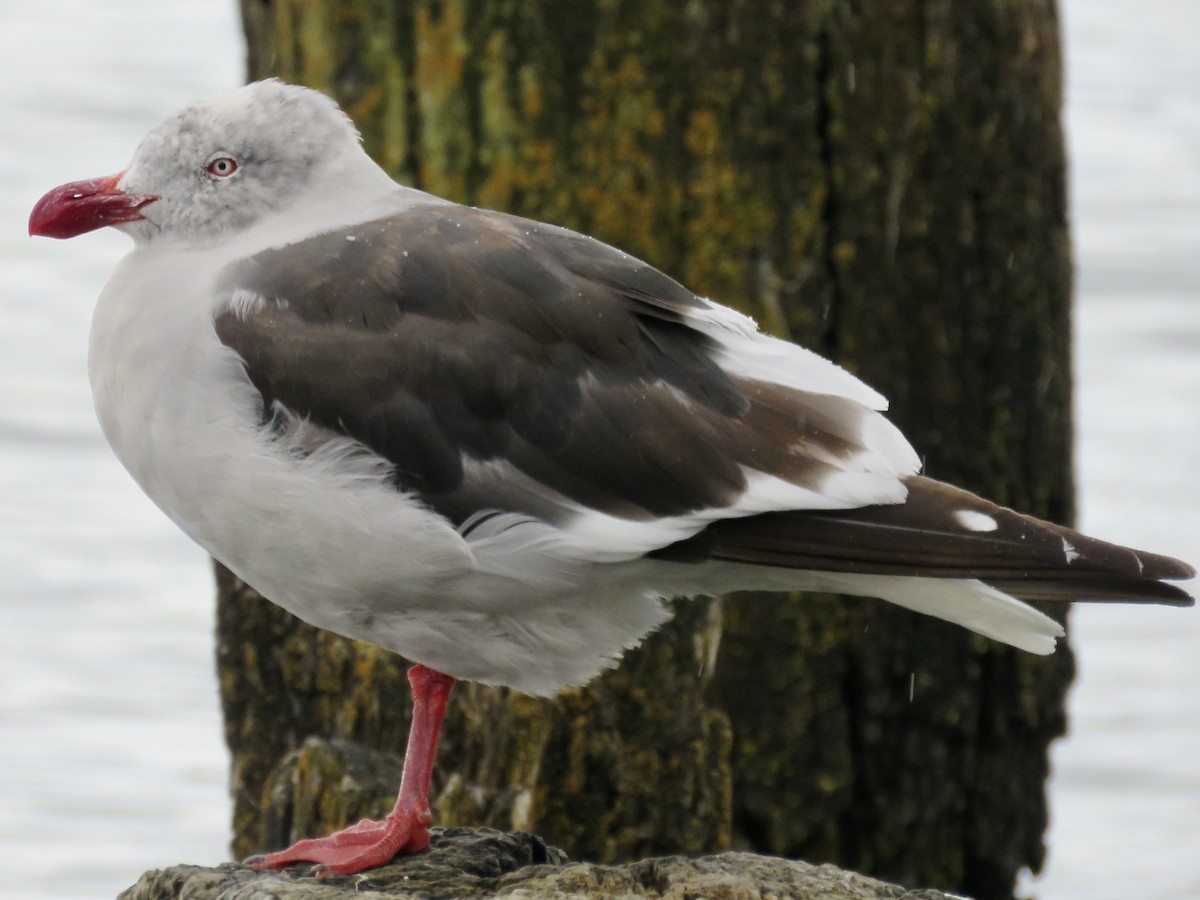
<point x="483" y="864"/>
<point x="883" y="182"/>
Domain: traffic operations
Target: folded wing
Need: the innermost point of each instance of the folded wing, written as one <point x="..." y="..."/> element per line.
<point x="505" y="366"/>
<point x="513" y="371"/>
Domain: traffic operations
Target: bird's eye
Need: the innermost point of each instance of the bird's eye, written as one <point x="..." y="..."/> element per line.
<point x="222" y="166"/>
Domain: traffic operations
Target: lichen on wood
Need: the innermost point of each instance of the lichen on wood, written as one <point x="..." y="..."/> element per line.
<point x="484" y="863"/>
<point x="882" y="182"/>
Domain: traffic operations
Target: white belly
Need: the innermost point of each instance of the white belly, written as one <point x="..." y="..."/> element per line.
<point x="325" y="534"/>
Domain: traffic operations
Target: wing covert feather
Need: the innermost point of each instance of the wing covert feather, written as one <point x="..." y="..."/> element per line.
<point x="461" y="344"/>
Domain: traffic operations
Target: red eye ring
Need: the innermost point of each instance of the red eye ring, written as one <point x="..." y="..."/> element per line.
<point x="222" y="166"/>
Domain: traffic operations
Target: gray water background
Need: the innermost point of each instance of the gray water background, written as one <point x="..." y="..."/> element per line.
<point x="111" y="758"/>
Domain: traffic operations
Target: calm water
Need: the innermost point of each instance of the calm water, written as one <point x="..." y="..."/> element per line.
<point x="111" y="759"/>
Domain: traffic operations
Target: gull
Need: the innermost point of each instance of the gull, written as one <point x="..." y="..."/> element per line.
<point x="493" y="445"/>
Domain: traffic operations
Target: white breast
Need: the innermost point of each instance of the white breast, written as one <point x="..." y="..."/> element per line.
<point x="325" y="534"/>
<point x="315" y="532"/>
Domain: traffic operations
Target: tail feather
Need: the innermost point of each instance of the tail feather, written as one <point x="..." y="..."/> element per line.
<point x="947" y="553"/>
<point x="941" y="531"/>
<point x="972" y="604"/>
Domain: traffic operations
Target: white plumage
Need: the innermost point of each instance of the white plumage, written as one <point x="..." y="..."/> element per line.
<point x="314" y="519"/>
<point x="494" y="446"/>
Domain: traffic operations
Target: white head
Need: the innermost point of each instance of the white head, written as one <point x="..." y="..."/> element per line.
<point x="216" y="168"/>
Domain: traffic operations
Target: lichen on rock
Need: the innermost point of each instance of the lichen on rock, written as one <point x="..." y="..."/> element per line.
<point x="486" y="863"/>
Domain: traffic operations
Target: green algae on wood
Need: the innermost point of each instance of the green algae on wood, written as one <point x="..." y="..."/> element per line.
<point x="882" y="182"/>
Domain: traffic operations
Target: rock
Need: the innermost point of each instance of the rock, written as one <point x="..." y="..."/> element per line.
<point x="322" y="785"/>
<point x="484" y="863"/>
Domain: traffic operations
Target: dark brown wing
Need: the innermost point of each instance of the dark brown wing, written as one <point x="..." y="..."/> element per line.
<point x="502" y="364"/>
<point x="945" y="532"/>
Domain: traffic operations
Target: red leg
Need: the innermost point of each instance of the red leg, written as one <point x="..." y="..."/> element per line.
<point x="369" y="844"/>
